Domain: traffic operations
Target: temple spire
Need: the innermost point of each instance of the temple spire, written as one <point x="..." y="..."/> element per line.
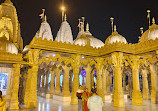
<point x="148" y="16"/>
<point x="112" y="23"/>
<point x="115" y="29"/>
<point x="87" y="27"/>
<point x="153" y="20"/>
<point x="45" y="18"/>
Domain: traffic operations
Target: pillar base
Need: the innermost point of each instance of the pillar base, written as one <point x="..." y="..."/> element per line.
<point x="74" y="100"/>
<point x="14" y="105"/>
<point x="136" y="97"/>
<point x="153" y="96"/>
<point x="31" y="104"/>
<point x="145" y="94"/>
<point x="118" y="99"/>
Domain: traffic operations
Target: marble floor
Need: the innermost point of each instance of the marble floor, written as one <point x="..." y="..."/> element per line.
<point x="51" y="105"/>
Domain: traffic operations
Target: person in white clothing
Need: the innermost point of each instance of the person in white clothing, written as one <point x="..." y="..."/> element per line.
<point x="95" y="102"/>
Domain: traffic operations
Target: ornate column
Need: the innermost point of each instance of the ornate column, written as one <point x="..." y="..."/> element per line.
<point x="42" y="89"/>
<point x="14" y="104"/>
<point x="99" y="68"/>
<point x="76" y="66"/>
<point x="52" y="82"/>
<point x="136" y="93"/>
<point x="145" y="85"/>
<point x="66" y="91"/>
<point x="46" y="87"/>
<point x="108" y="83"/>
<point x="118" y="90"/>
<point x="88" y="77"/>
<point x="105" y="72"/>
<point x="30" y="99"/>
<point x="92" y="79"/>
<point x="57" y="89"/>
<point x="153" y="83"/>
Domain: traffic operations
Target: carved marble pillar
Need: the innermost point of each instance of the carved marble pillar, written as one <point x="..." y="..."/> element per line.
<point x="30" y="98"/>
<point x="76" y="66"/>
<point x="145" y="85"/>
<point x="46" y="86"/>
<point x="88" y="78"/>
<point x="136" y="93"/>
<point x="43" y="78"/>
<point x="99" y="68"/>
<point x="92" y="79"/>
<point x="108" y="83"/>
<point x="118" y="90"/>
<point x="14" y="104"/>
<point x="153" y="83"/>
<point x="105" y="73"/>
<point x="57" y="89"/>
<point x="66" y="91"/>
<point x="52" y="82"/>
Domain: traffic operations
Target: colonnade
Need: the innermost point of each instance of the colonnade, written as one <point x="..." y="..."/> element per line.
<point x="104" y="78"/>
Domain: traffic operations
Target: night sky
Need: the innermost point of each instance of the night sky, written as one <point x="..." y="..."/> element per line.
<point x="129" y="16"/>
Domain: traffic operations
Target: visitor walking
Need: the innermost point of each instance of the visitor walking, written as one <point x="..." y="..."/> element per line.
<point x="85" y="97"/>
<point x="2" y="103"/>
<point x="95" y="102"/>
<point x="79" y="94"/>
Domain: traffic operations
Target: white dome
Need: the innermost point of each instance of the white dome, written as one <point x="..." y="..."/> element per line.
<point x="65" y="34"/>
<point x="150" y="34"/>
<point x="87" y="37"/>
<point x="7" y="46"/>
<point x="115" y="37"/>
<point x="45" y="31"/>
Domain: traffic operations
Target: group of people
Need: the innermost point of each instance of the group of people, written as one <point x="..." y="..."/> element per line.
<point x="89" y="101"/>
<point x="2" y="103"/>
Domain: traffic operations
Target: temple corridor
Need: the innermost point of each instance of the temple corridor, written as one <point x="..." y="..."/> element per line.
<point x="52" y="105"/>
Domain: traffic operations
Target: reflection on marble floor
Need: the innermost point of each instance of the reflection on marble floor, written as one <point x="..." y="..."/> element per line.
<point x="51" y="105"/>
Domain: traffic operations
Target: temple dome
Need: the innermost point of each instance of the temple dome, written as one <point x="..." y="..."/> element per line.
<point x="115" y="37"/>
<point x="64" y="34"/>
<point x="150" y="34"/>
<point x="85" y="38"/>
<point x="45" y="31"/>
<point x="7" y="46"/>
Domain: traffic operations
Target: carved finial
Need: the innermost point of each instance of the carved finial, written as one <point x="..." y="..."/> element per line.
<point x="141" y="30"/>
<point x="65" y="18"/>
<point x="153" y="20"/>
<point x="148" y="16"/>
<point x="82" y="24"/>
<point x="87" y="27"/>
<point x="45" y="18"/>
<point x="115" y="28"/>
<point x="112" y="23"/>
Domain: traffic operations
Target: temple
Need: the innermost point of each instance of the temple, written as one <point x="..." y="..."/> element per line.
<point x="54" y="68"/>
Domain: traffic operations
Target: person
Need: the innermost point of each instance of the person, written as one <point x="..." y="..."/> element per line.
<point x="95" y="102"/>
<point x="85" y="97"/>
<point x="2" y="103"/>
<point x="79" y="94"/>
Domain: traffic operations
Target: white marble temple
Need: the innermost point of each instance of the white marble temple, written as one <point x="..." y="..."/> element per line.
<point x="52" y="105"/>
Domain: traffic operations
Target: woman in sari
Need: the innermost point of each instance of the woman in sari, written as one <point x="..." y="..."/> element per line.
<point x="2" y="103"/>
<point x="85" y="97"/>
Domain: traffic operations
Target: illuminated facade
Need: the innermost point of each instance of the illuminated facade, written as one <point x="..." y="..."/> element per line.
<point x="57" y="68"/>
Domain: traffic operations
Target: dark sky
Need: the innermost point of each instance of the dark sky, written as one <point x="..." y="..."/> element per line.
<point x="129" y="16"/>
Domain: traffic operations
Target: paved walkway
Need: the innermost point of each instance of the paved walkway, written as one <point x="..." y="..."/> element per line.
<point x="51" y="105"/>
